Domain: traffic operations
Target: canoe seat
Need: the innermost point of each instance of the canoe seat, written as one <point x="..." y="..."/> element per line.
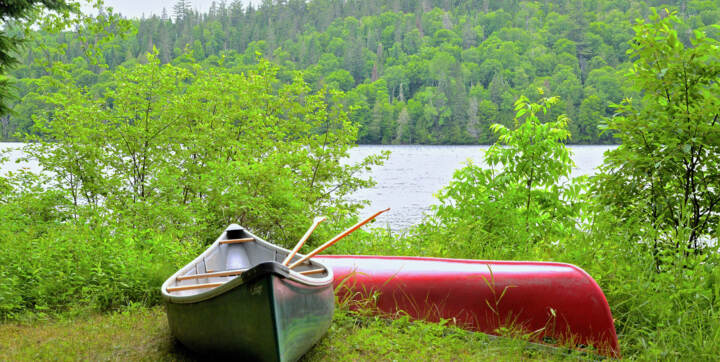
<point x="237" y="241"/>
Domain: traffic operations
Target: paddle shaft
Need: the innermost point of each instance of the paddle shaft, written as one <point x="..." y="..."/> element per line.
<point x="336" y="239"/>
<point x="302" y="240"/>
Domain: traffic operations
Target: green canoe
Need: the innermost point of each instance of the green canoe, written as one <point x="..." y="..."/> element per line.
<point x="237" y="299"/>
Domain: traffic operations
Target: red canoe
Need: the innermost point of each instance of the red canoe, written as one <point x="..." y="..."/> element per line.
<point x="555" y="302"/>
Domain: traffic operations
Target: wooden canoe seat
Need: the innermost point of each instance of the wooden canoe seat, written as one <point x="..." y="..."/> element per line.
<point x="312" y="271"/>
<point x="237" y="241"/>
<point x="220" y="274"/>
<point x="236" y="272"/>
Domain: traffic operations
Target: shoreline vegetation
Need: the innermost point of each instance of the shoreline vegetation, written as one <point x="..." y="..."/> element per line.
<point x="148" y="159"/>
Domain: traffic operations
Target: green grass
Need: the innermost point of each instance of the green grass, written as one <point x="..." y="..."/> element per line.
<point x="134" y="334"/>
<point x="362" y="338"/>
<point x="143" y="334"/>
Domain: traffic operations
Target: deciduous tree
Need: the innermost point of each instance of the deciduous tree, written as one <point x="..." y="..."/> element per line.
<point x="666" y="172"/>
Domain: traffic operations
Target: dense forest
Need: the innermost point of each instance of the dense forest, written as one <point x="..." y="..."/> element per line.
<point x="412" y="72"/>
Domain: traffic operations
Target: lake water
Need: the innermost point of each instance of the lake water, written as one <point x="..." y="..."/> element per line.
<point x="13" y="154"/>
<point x="409" y="178"/>
<point x="413" y="174"/>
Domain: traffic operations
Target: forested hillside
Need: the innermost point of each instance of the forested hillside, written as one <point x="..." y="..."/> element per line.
<point x="413" y="72"/>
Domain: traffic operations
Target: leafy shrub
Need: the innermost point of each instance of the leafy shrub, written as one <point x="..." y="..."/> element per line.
<point x="192" y="149"/>
<point x="57" y="267"/>
<point x="518" y="202"/>
<point x="137" y="179"/>
<point x="666" y="172"/>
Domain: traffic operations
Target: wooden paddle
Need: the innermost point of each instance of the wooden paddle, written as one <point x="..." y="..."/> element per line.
<point x="336" y="239"/>
<point x="302" y="241"/>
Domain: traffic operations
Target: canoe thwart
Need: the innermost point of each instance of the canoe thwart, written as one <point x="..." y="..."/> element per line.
<point x="194" y="286"/>
<point x="312" y="271"/>
<point x="237" y="241"/>
<point x="211" y="275"/>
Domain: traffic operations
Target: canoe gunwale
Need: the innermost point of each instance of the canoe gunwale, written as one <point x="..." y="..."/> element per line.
<point x="240" y="280"/>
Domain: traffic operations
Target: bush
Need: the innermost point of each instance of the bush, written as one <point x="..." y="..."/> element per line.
<point x="193" y="149"/>
<point x="57" y="267"/>
<point x="136" y="180"/>
<point x="516" y="204"/>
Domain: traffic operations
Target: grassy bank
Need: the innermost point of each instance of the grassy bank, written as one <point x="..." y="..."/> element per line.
<point x="129" y="335"/>
<point x="143" y="334"/>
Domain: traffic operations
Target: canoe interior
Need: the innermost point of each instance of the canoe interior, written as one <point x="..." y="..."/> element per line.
<point x="230" y="256"/>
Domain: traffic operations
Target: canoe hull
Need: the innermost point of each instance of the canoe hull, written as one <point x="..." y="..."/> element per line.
<point x="270" y="319"/>
<point x="555" y="302"/>
<point x="237" y="299"/>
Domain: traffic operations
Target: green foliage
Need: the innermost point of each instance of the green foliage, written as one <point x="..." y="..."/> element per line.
<point x="137" y="333"/>
<point x="133" y="333"/>
<point x="20" y="15"/>
<point x="156" y="156"/>
<point x="518" y="202"/>
<point x="657" y="315"/>
<point x="55" y="267"/>
<point x="661" y="284"/>
<point x="467" y="53"/>
<point x="190" y="150"/>
<point x="355" y="335"/>
<point x="664" y="176"/>
<point x="135" y="179"/>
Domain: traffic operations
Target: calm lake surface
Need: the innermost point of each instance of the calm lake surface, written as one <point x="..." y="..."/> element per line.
<point x="409" y="178"/>
<point x="413" y="174"/>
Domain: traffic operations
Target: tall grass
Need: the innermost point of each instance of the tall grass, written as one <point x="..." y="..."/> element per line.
<point x="58" y="267"/>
